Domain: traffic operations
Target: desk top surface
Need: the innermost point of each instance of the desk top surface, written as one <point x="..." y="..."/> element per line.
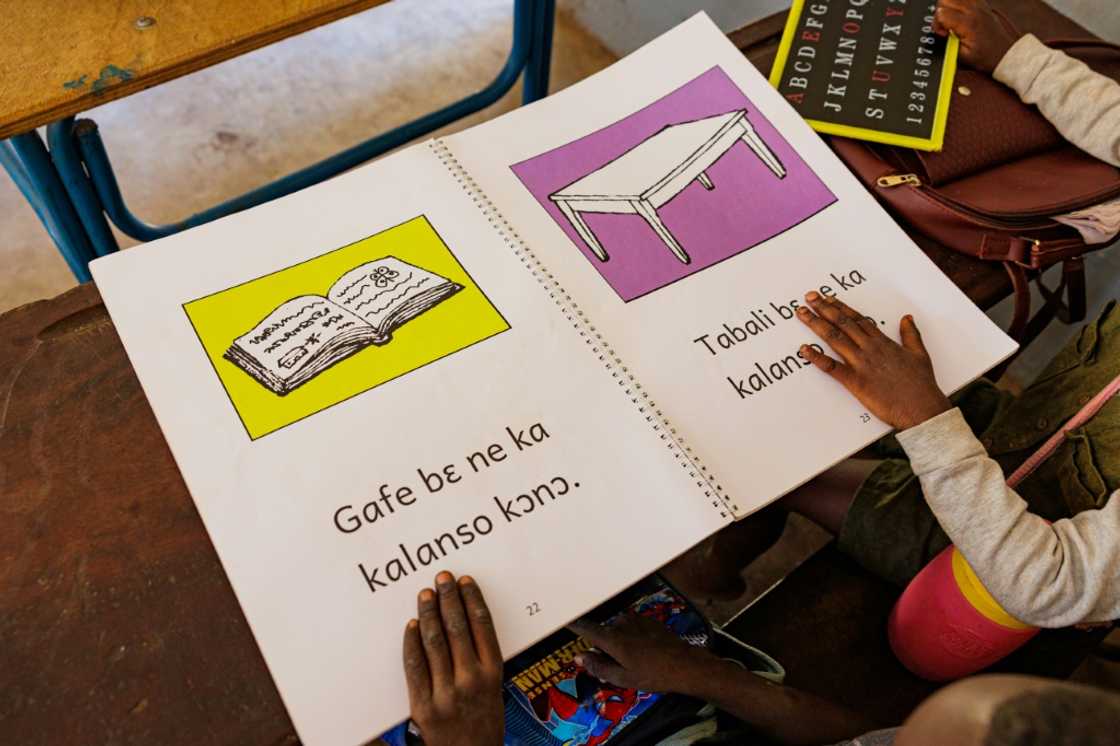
<point x="62" y="57"/>
<point x="652" y="160"/>
<point x="117" y="623"/>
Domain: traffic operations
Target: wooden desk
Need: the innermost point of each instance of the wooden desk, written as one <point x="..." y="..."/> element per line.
<point x="61" y="58"/>
<point x="117" y="623"/>
<point x="71" y="186"/>
<point x="656" y="170"/>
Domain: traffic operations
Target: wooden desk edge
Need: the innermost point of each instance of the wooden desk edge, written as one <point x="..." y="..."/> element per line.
<point x="19" y="122"/>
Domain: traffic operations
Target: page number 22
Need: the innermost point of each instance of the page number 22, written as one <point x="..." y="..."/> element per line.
<point x="533" y="608"/>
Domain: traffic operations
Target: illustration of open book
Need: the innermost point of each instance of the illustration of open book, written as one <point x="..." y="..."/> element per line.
<point x="306" y="335"/>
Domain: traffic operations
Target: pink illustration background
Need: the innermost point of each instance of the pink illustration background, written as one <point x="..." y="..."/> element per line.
<point x="748" y="206"/>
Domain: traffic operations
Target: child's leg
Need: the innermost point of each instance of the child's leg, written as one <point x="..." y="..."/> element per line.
<point x="826" y="499"/>
<point x="715" y="565"/>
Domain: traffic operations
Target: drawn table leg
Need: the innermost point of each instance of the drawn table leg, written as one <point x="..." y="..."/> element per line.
<point x="647" y="211"/>
<point x="763" y="151"/>
<point x="582" y="229"/>
<point x="706" y="180"/>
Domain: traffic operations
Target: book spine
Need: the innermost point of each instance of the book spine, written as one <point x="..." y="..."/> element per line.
<point x="668" y="434"/>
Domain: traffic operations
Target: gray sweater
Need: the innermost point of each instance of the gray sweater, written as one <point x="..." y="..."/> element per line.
<point x="1083" y="105"/>
<point x="1048" y="575"/>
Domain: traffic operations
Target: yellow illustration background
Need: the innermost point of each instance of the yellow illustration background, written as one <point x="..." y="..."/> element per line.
<point x="459" y="321"/>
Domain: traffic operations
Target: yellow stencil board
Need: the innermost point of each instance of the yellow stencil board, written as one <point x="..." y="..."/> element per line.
<point x="933" y="91"/>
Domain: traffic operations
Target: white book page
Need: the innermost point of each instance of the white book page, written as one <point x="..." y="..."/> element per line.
<point x="686" y="206"/>
<point x="304" y="506"/>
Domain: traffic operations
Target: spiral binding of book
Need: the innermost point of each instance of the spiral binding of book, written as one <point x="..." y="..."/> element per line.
<point x="599" y="346"/>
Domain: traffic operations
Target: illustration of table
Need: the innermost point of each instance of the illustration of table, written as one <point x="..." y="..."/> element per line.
<point x="655" y="171"/>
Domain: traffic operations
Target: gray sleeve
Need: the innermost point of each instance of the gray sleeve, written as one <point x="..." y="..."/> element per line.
<point x="1047" y="575"/>
<point x="1083" y="105"/>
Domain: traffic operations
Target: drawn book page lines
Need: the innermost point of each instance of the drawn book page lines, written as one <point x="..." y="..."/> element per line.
<point x="388" y="292"/>
<point x="297" y="340"/>
<point x="308" y="334"/>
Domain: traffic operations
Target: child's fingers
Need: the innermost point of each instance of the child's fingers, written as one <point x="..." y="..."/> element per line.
<point x="842" y="373"/>
<point x="961" y="6"/>
<point x="951" y="19"/>
<point x="861" y="322"/>
<point x="416" y="672"/>
<point x="911" y="337"/>
<point x="842" y="317"/>
<point x="603" y="637"/>
<point x="482" y="624"/>
<point x="455" y="625"/>
<point x="434" y="639"/>
<point x="602" y="667"/>
<point x="830" y="333"/>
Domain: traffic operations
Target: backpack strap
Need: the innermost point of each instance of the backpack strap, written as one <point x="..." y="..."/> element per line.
<point x="1047" y="450"/>
<point x="1071" y="310"/>
<point x="1029" y="252"/>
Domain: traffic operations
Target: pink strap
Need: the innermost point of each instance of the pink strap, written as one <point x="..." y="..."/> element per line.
<point x="1087" y="412"/>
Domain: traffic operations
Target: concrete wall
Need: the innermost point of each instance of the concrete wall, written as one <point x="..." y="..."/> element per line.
<point x="624" y="25"/>
<point x="1100" y="16"/>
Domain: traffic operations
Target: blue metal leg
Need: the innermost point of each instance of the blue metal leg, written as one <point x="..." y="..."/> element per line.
<point x="72" y="203"/>
<point x="26" y="160"/>
<point x="532" y="30"/>
<point x="68" y="162"/>
<point x="540" y="56"/>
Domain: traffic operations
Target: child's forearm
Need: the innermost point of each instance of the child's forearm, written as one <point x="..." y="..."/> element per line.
<point x="785" y="714"/>
<point x="1083" y="105"/>
<point x="1046" y="575"/>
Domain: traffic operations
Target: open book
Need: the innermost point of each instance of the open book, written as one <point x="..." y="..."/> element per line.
<point x="309" y="333"/>
<point x="599" y="370"/>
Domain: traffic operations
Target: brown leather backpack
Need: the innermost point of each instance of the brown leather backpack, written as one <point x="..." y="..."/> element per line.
<point x="992" y="190"/>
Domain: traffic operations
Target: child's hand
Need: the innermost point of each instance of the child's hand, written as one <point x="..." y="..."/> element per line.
<point x="984" y="40"/>
<point x="638" y="653"/>
<point x="895" y="382"/>
<point x="453" y="666"/>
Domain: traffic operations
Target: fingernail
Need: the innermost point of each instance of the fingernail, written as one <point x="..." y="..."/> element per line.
<point x="803" y="312"/>
<point x="412" y="623"/>
<point x="812" y="296"/>
<point x="466" y="580"/>
<point x="804" y="348"/>
<point x="908" y="317"/>
<point x="444" y="578"/>
<point x="427" y="595"/>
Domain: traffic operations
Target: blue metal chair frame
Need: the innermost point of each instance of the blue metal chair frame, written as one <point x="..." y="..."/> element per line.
<point x="72" y="186"/>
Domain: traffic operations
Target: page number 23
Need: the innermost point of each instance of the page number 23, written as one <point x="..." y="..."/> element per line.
<point x="865" y="418"/>
<point x="533" y="609"/>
